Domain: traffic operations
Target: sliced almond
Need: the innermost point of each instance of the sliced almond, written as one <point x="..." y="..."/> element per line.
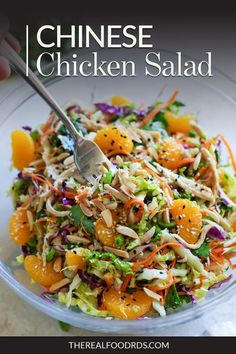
<point x="107" y="216"/>
<point x="78" y="239"/>
<point x="57" y="265"/>
<point x="152" y="294"/>
<point x="88" y="212"/>
<point x="117" y="252"/>
<point x="59" y="284"/>
<point x="112" y="205"/>
<point x="115" y="193"/>
<point x="148" y="235"/>
<point x="126" y="231"/>
<point x="30" y="219"/>
<point x="99" y="204"/>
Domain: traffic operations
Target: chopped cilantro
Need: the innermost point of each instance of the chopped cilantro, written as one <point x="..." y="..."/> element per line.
<point x="21" y="186"/>
<point x="80" y="219"/>
<point x="64" y="326"/>
<point x="34" y="134"/>
<point x="173" y="299"/>
<point x="203" y="251"/>
<point x="119" y="240"/>
<point x="41" y="214"/>
<point x="50" y="254"/>
<point x="192" y="133"/>
<point x="167" y="225"/>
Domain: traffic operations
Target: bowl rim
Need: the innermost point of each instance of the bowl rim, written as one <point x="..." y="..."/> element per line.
<point x="81" y="320"/>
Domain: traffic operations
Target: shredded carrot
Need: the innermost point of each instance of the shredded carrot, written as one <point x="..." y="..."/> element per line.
<point x="46" y="218"/>
<point x="28" y="200"/>
<point x="138" y="202"/>
<point x="47" y="125"/>
<point x="48" y="132"/>
<point x="166" y="291"/>
<point x="158" y="109"/>
<point x="165" y="184"/>
<point x="184" y="162"/>
<point x="218" y="250"/>
<point x="54" y="151"/>
<point x="203" y="212"/>
<point x="181" y="293"/>
<point x="201" y="278"/>
<point x="231" y="245"/>
<point x="126" y="282"/>
<point x="233" y="161"/>
<point x="168" y="285"/>
<point x="207" y="144"/>
<point x="173" y="263"/>
<point x="69" y="195"/>
<point x="200" y="172"/>
<point x="152" y="254"/>
<point x="72" y="228"/>
<point x="214" y="243"/>
<point x="227" y="257"/>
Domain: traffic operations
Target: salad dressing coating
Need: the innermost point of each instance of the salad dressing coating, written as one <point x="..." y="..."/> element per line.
<point x="154" y="235"/>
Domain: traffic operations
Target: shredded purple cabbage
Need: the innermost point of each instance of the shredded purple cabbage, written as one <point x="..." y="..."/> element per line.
<point x="224" y="197"/>
<point x="63" y="232"/>
<point x="119" y="111"/>
<point x="25" y="250"/>
<point x="219" y="146"/>
<point x="92" y="280"/>
<point x="59" y="248"/>
<point x="215" y="233"/>
<point x="65" y="201"/>
<point x="51" y="239"/>
<point x="218" y="285"/>
<point x="27" y="128"/>
<point x="99" y="298"/>
<point x="139" y="249"/>
<point x="20" y="176"/>
<point x="75" y="107"/>
<point x="63" y="187"/>
<point x="189" y="294"/>
<point x="47" y="296"/>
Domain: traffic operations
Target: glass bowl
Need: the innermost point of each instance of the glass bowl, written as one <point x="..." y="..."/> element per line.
<point x="211" y="98"/>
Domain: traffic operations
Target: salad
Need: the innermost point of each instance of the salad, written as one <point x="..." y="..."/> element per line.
<point x="156" y="234"/>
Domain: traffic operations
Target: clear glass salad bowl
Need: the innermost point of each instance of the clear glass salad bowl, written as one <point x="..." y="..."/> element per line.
<point x="210" y="98"/>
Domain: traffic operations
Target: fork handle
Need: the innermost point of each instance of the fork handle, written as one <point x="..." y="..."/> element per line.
<point x="19" y="66"/>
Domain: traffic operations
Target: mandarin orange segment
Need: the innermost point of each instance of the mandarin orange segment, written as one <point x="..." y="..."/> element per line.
<point x="188" y="218"/>
<point x="19" y="227"/>
<point x="75" y="260"/>
<point x="112" y="141"/>
<point x="106" y="235"/>
<point x="44" y="275"/>
<point x="120" y="101"/>
<point x="23" y="149"/>
<point x="170" y="153"/>
<point x="179" y="124"/>
<point x="126" y="306"/>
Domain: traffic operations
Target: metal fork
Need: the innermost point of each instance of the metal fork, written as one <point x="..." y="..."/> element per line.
<point x="87" y="155"/>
